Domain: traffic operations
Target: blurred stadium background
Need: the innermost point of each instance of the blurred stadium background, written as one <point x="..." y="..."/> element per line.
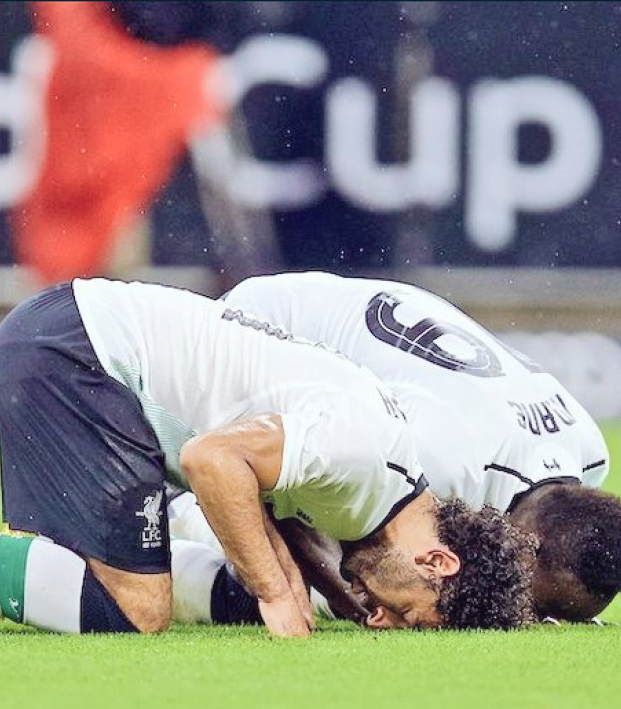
<point x="473" y="148"/>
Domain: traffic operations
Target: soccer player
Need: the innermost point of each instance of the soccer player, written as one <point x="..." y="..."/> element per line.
<point x="108" y="388"/>
<point x="489" y="425"/>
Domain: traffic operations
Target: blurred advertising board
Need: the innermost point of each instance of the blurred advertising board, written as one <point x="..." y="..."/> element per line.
<point x="382" y="134"/>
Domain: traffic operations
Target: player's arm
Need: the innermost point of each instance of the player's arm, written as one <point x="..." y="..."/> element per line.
<point x="319" y="558"/>
<point x="227" y="469"/>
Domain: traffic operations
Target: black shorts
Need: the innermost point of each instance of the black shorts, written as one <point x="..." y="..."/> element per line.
<point x="80" y="462"/>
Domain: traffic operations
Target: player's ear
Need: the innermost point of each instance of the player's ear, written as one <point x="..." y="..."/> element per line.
<point x="437" y="563"/>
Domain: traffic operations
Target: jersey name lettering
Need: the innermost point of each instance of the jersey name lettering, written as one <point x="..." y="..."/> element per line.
<point x="543" y="416"/>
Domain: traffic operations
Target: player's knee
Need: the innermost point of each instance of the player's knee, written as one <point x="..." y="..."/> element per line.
<point x="144" y="600"/>
<point x="149" y="612"/>
<point x="153" y="617"/>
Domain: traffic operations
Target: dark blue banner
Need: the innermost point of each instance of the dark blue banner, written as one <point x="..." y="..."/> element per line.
<point x="372" y="134"/>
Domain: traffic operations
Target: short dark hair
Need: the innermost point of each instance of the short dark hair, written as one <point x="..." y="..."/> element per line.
<point x="493" y="586"/>
<point x="579" y="530"/>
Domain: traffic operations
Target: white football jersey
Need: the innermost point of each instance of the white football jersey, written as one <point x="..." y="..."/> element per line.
<point x="196" y="364"/>
<point x="488" y="423"/>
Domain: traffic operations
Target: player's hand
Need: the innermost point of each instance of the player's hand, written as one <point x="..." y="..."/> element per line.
<point x="292" y="572"/>
<point x="282" y="617"/>
<point x="299" y="590"/>
<point x="319" y="559"/>
<point x="301" y="595"/>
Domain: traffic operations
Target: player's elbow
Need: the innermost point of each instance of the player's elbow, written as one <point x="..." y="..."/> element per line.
<point x="193" y="457"/>
<point x="202" y="457"/>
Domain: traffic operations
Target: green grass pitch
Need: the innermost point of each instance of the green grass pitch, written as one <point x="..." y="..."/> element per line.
<point x="572" y="667"/>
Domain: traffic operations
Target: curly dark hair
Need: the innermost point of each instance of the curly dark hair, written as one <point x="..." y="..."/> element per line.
<point x="580" y="531"/>
<point x="493" y="586"/>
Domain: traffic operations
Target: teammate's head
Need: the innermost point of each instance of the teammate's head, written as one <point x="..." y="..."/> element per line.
<point x="578" y="565"/>
<point x="472" y="571"/>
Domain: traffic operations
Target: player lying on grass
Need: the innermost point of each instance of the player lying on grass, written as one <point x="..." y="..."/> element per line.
<point x="107" y="389"/>
<point x="489" y="425"/>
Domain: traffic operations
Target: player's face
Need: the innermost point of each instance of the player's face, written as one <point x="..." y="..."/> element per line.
<point x="394" y="591"/>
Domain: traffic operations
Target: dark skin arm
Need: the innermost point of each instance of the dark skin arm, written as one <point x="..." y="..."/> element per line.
<point x="319" y="559"/>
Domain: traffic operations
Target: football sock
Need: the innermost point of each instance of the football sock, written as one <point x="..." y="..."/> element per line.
<point x="205" y="588"/>
<point x="13" y="555"/>
<point x="40" y="583"/>
<point x="50" y="587"/>
<point x="230" y="602"/>
<point x="194" y="570"/>
<point x="186" y="521"/>
<point x="99" y="611"/>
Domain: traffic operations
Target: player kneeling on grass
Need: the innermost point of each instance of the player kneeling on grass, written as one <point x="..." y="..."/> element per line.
<point x="108" y="389"/>
<point x="490" y="426"/>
